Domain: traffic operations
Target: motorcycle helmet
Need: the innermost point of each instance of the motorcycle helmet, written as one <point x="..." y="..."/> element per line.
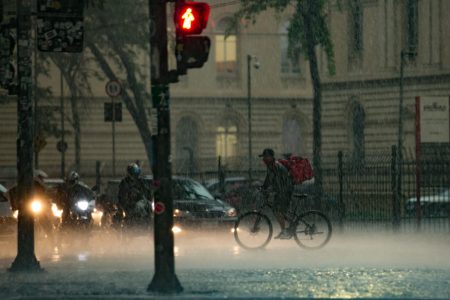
<point x="73" y="177"/>
<point x="133" y="170"/>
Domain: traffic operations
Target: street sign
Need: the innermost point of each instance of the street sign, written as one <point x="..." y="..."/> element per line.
<point x="159" y="208"/>
<point x="113" y="88"/>
<point x="108" y="112"/>
<point x="160" y="96"/>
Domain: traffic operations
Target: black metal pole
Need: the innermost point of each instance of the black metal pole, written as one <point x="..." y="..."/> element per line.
<point x="35" y="97"/>
<point x="63" y="148"/>
<point x="164" y="279"/>
<point x="26" y="259"/>
<point x="341" y="185"/>
<point x="394" y="185"/>
<point x="249" y="111"/>
<point x="113" y="124"/>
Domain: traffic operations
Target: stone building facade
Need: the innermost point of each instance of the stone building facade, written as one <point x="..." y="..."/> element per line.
<point x="209" y="106"/>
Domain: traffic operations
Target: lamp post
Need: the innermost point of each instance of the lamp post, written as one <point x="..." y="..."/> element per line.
<point x="403" y="54"/>
<point x="249" y="110"/>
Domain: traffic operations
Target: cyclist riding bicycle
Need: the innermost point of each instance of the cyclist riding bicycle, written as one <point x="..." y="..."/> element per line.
<point x="279" y="180"/>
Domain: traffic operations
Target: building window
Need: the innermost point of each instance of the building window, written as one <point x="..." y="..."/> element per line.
<point x="355" y="31"/>
<point x="411" y="26"/>
<point x="226" y="142"/>
<point x="292" y="137"/>
<point x="226" y="49"/>
<point x="186" y="144"/>
<point x="288" y="64"/>
<point x="357" y="129"/>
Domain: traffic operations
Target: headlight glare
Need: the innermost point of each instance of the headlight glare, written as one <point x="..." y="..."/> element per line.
<point x="231" y="212"/>
<point x="82" y="205"/>
<point x="36" y="206"/>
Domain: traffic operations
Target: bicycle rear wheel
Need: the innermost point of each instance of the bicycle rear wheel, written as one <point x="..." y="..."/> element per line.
<point x="313" y="230"/>
<point x="253" y="230"/>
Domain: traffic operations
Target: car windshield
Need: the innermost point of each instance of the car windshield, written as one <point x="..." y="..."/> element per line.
<point x="189" y="189"/>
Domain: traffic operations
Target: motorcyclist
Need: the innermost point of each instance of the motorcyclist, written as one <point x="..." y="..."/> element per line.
<point x="71" y="187"/>
<point x="39" y="192"/>
<point x="134" y="194"/>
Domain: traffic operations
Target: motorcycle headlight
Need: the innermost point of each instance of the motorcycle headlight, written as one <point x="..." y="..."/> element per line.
<point x="36" y="206"/>
<point x="82" y="205"/>
<point x="231" y="212"/>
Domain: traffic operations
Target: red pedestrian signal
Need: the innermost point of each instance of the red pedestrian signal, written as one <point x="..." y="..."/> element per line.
<point x="191" y="17"/>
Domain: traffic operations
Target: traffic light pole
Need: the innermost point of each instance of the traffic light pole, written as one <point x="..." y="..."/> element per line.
<point x="26" y="259"/>
<point x="165" y="279"/>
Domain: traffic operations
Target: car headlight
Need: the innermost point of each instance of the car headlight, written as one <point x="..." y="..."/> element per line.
<point x="176" y="229"/>
<point x="82" y="205"/>
<point x="36" y="206"/>
<point x="231" y="212"/>
<point x="177" y="213"/>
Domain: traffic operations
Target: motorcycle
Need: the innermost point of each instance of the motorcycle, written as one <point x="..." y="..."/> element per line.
<point x="138" y="221"/>
<point x="78" y="217"/>
<point x="81" y="207"/>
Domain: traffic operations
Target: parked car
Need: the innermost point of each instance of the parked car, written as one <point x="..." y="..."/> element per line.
<point x="436" y="205"/>
<point x="236" y="191"/>
<point x="8" y="223"/>
<point x="193" y="205"/>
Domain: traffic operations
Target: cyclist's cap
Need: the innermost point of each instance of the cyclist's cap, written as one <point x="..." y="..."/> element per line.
<point x="267" y="152"/>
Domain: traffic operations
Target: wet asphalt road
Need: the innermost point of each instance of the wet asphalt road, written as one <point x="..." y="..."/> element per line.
<point x="211" y="265"/>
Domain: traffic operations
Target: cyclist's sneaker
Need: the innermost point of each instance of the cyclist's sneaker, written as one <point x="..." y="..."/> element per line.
<point x="285" y="234"/>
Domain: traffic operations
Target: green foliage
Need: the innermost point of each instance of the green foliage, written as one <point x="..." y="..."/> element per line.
<point x="250" y="9"/>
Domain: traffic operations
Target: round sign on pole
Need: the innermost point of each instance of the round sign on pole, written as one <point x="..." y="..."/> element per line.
<point x="159" y="208"/>
<point x="113" y="88"/>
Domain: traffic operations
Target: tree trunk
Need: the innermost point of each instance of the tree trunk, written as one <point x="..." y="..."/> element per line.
<point x="317" y="98"/>
<point x="137" y="114"/>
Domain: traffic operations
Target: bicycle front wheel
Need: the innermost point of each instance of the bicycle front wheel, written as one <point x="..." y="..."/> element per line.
<point x="313" y="230"/>
<point x="253" y="230"/>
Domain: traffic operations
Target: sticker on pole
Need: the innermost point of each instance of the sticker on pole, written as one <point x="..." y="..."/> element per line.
<point x="113" y="88"/>
<point x="159" y="208"/>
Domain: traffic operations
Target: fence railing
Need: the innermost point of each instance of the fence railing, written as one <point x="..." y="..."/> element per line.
<point x="370" y="191"/>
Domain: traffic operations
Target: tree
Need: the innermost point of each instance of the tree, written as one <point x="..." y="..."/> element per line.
<point x="118" y="48"/>
<point x="307" y="29"/>
<point x="76" y="72"/>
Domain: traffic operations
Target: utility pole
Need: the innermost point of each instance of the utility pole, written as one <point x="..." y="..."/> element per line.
<point x="397" y="212"/>
<point x="63" y="150"/>
<point x="249" y="111"/>
<point x="25" y="259"/>
<point x="164" y="279"/>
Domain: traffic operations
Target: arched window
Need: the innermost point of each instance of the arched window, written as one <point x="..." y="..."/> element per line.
<point x="227" y="140"/>
<point x="226" y="49"/>
<point x="357" y="130"/>
<point x="292" y="137"/>
<point x="186" y="144"/>
<point x="288" y="65"/>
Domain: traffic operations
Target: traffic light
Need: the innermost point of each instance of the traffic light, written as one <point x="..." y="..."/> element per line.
<point x="7" y="69"/>
<point x="60" y="25"/>
<point x="191" y="17"/>
<point x="191" y="50"/>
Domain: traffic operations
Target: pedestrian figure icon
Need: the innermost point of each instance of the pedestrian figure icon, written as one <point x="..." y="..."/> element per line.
<point x="188" y="18"/>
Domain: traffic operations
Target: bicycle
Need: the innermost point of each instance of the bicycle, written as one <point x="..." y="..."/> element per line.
<point x="311" y="229"/>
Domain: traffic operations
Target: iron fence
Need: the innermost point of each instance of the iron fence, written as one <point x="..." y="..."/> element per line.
<point x="371" y="192"/>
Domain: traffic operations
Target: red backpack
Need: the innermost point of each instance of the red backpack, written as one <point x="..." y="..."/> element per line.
<point x="299" y="168"/>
